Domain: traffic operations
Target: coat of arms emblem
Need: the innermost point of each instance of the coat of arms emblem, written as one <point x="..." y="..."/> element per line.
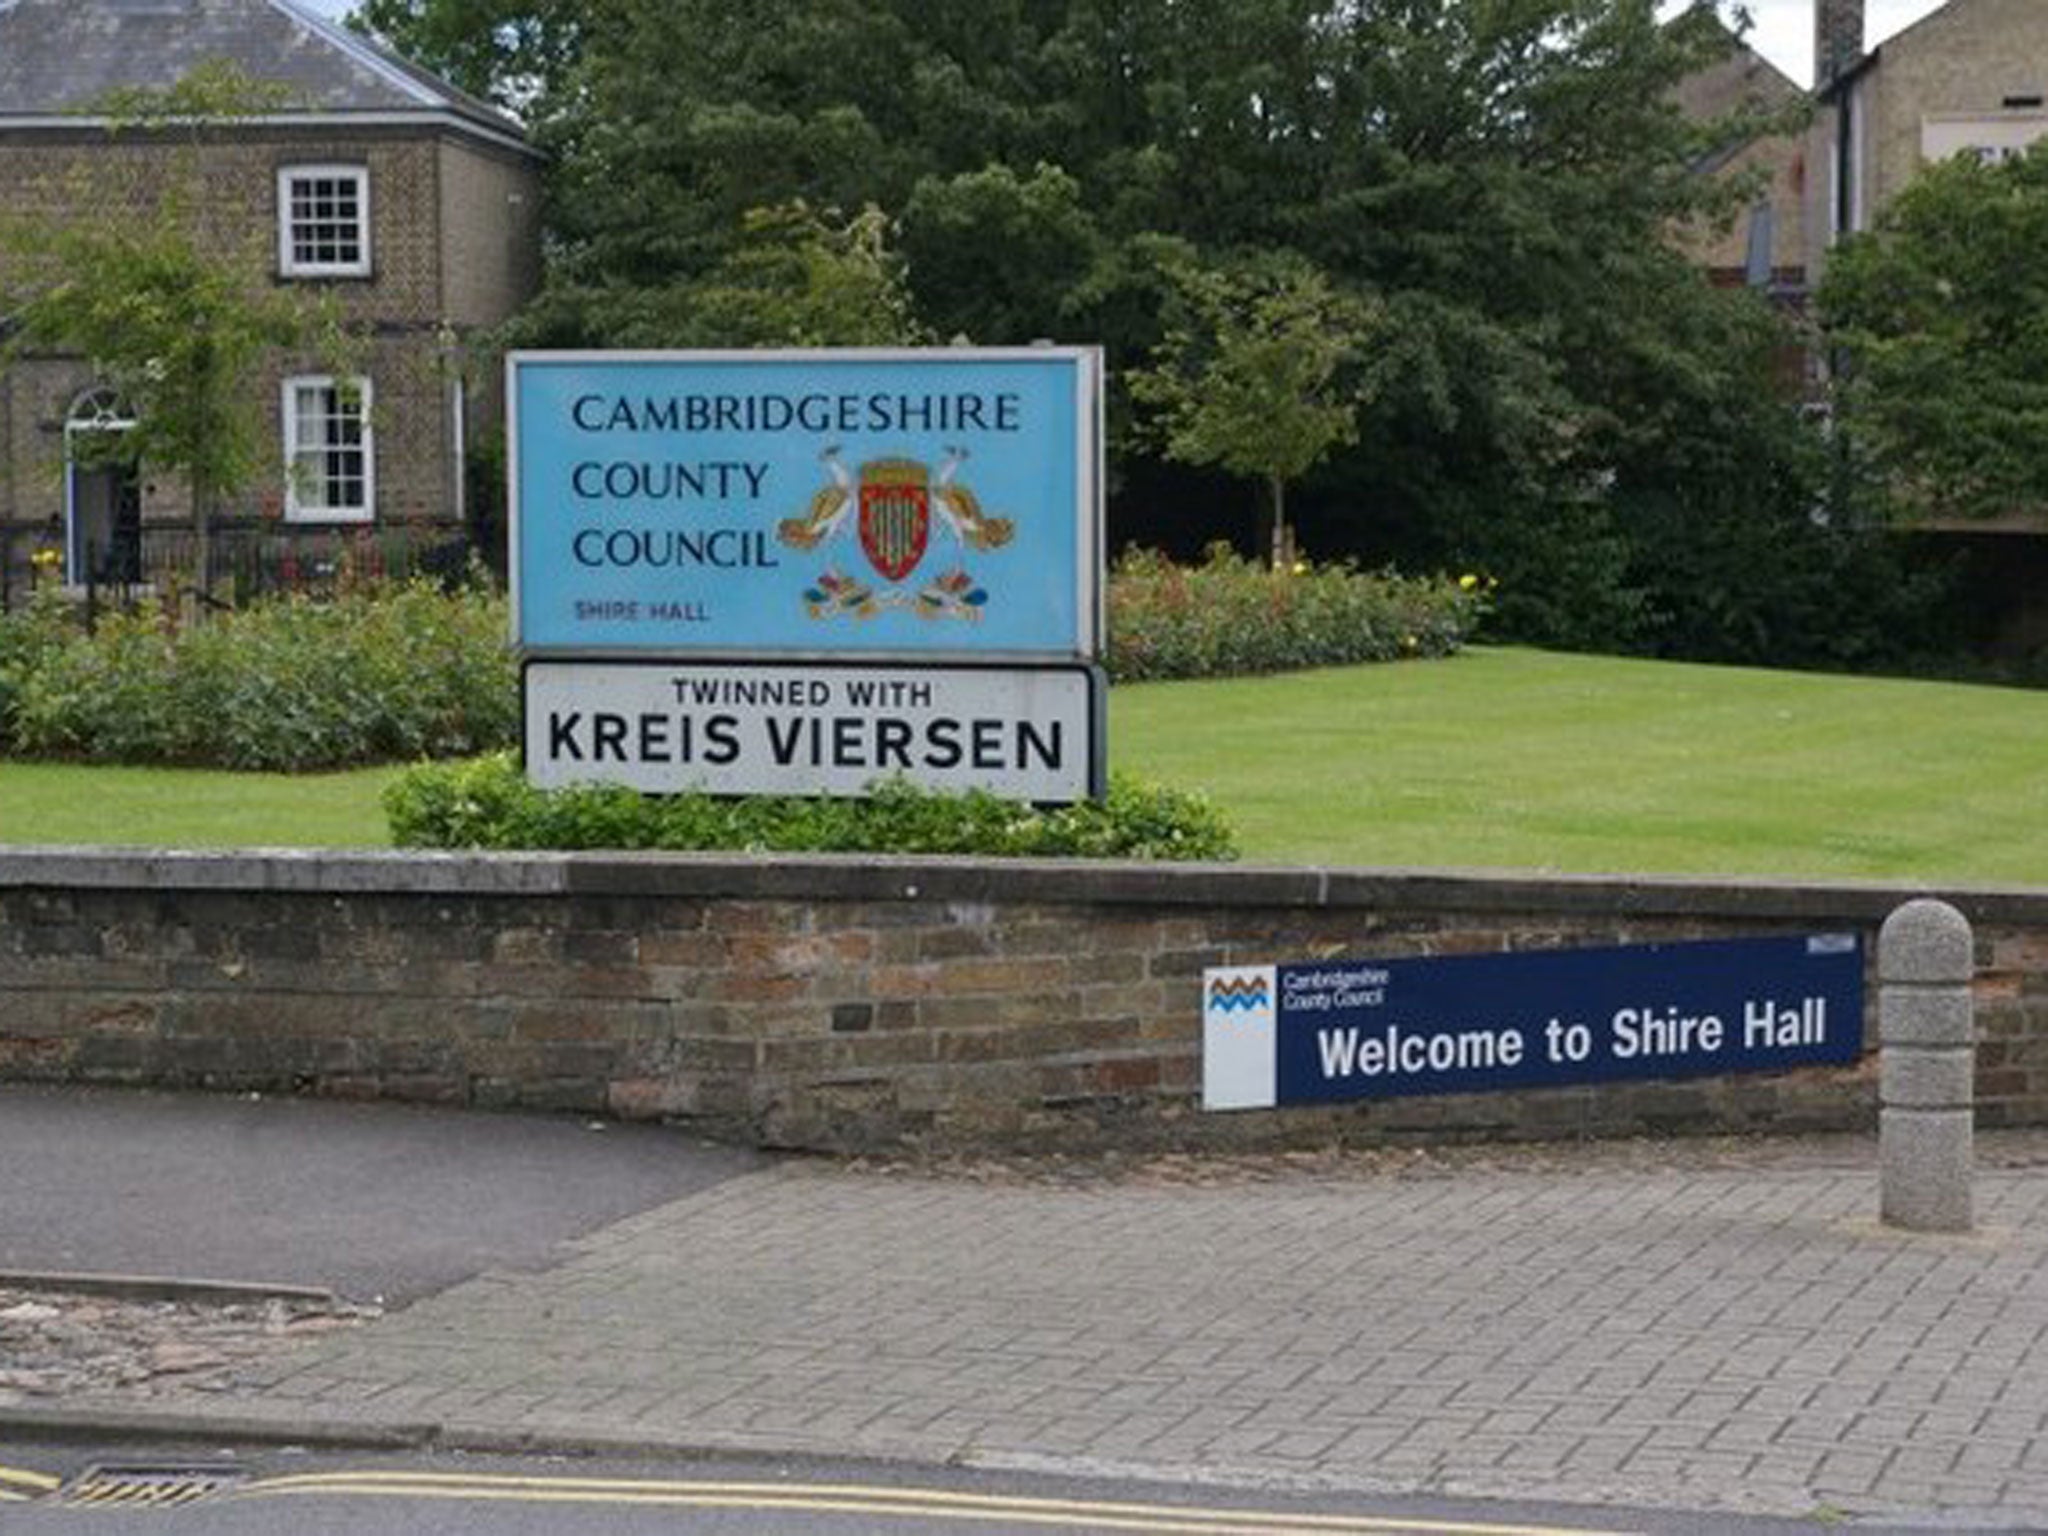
<point x="898" y="506"/>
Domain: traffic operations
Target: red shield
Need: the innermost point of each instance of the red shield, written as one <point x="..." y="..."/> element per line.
<point x="895" y="516"/>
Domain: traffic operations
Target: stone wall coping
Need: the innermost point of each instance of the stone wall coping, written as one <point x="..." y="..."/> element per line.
<point x="1050" y="881"/>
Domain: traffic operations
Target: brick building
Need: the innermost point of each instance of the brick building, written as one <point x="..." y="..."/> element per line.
<point x="1968" y="78"/>
<point x="1764" y="246"/>
<point x="415" y="207"/>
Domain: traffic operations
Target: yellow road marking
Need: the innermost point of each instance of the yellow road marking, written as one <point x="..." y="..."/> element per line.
<point x="836" y="1498"/>
<point x="21" y="1477"/>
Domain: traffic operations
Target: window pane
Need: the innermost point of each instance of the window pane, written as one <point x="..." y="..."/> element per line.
<point x="329" y="449"/>
<point x="325" y="215"/>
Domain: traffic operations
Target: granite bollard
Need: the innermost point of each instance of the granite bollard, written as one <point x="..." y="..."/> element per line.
<point x="1927" y="1077"/>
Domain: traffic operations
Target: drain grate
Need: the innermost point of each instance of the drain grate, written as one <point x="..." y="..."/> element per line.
<point x="147" y="1487"/>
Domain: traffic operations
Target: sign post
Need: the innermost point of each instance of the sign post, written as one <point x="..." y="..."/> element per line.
<point x="707" y="546"/>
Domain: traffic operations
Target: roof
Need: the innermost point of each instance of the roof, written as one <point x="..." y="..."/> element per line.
<point x="59" y="56"/>
<point x="1741" y="80"/>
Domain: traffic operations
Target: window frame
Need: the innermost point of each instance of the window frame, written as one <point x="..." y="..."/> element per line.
<point x="298" y="505"/>
<point x="289" y="265"/>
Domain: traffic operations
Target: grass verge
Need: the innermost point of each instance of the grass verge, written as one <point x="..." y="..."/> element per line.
<point x="1495" y="758"/>
<point x="191" y="807"/>
<point x="1528" y="760"/>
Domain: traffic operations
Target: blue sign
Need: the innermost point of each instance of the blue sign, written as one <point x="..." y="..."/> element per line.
<point x="884" y="505"/>
<point x="1356" y="1029"/>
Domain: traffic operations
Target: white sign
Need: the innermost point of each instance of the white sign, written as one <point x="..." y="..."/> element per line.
<point x="1240" y="1009"/>
<point x="821" y="728"/>
<point x="1991" y="139"/>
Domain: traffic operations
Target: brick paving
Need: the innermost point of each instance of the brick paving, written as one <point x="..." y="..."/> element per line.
<point x="1668" y="1326"/>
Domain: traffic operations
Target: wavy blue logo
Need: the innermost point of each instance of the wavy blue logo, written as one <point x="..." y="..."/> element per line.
<point x="1238" y="994"/>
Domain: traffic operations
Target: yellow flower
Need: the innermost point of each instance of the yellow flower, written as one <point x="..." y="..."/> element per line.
<point x="1467" y="582"/>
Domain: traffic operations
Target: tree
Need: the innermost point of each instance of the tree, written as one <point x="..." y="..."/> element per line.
<point x="799" y="277"/>
<point x="1258" y="375"/>
<point x="510" y="52"/>
<point x="165" y="309"/>
<point x="1494" y="180"/>
<point x="1938" y="320"/>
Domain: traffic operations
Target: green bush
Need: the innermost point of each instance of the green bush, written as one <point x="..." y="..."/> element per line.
<point x="487" y="803"/>
<point x="389" y="672"/>
<point x="1228" y="616"/>
<point x="375" y="674"/>
<point x="29" y="635"/>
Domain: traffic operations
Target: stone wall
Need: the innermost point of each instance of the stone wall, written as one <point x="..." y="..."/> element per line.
<point x="862" y="1003"/>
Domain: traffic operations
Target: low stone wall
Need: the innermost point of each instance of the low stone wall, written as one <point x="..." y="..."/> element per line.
<point x="860" y="1003"/>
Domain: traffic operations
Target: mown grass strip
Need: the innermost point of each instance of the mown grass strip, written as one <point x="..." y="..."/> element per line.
<point x="1493" y="759"/>
<point x="190" y="807"/>
<point x="1527" y="760"/>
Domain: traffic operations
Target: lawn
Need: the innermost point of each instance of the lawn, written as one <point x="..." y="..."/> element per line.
<point x="1496" y="758"/>
<point x="190" y="807"/>
<point x="1520" y="759"/>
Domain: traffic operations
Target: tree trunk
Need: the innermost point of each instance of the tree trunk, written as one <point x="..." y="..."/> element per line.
<point x="1281" y="552"/>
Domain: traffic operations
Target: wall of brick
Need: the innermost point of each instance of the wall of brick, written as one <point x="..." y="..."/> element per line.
<point x="1964" y="58"/>
<point x="856" y="1004"/>
<point x="490" y="233"/>
<point x="1776" y="163"/>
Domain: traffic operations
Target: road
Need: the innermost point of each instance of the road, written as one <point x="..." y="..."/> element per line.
<point x="376" y="1201"/>
<point x="362" y="1495"/>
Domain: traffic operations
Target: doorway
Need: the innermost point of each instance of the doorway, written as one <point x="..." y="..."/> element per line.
<point x="102" y="493"/>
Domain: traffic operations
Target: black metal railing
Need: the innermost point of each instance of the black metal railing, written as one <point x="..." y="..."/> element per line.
<point x="242" y="563"/>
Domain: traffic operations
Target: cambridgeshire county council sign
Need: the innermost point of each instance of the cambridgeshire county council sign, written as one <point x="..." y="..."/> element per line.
<point x="939" y="503"/>
<point x="802" y="572"/>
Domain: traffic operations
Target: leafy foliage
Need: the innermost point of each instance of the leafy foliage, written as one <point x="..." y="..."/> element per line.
<point x="1475" y="199"/>
<point x="1230" y="616"/>
<point x="798" y="277"/>
<point x="29" y="636"/>
<point x="1939" y="317"/>
<point x="383" y="672"/>
<point x="136" y="279"/>
<point x="487" y="803"/>
<point x="511" y="52"/>
<point x="1250" y="375"/>
<point x="164" y="321"/>
<point x="373" y="675"/>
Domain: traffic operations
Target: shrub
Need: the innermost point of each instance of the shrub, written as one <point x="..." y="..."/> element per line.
<point x="384" y="672"/>
<point x="1229" y="616"/>
<point x="29" y="636"/>
<point x="370" y="675"/>
<point x="487" y="803"/>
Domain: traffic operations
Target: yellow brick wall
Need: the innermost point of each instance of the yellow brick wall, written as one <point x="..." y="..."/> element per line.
<point x="1965" y="58"/>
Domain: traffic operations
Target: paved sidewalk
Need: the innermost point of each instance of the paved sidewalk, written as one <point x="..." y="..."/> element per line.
<point x="1701" y="1326"/>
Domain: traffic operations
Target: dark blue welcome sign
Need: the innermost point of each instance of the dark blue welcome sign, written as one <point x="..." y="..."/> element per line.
<point x="1352" y="1029"/>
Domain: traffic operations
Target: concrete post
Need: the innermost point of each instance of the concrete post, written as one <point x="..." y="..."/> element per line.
<point x="1927" y="1076"/>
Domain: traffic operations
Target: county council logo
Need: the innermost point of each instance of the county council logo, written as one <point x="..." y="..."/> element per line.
<point x="893" y="504"/>
<point x="1239" y="1023"/>
<point x="1246" y="991"/>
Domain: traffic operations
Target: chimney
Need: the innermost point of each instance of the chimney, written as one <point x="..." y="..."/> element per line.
<point x="1837" y="39"/>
